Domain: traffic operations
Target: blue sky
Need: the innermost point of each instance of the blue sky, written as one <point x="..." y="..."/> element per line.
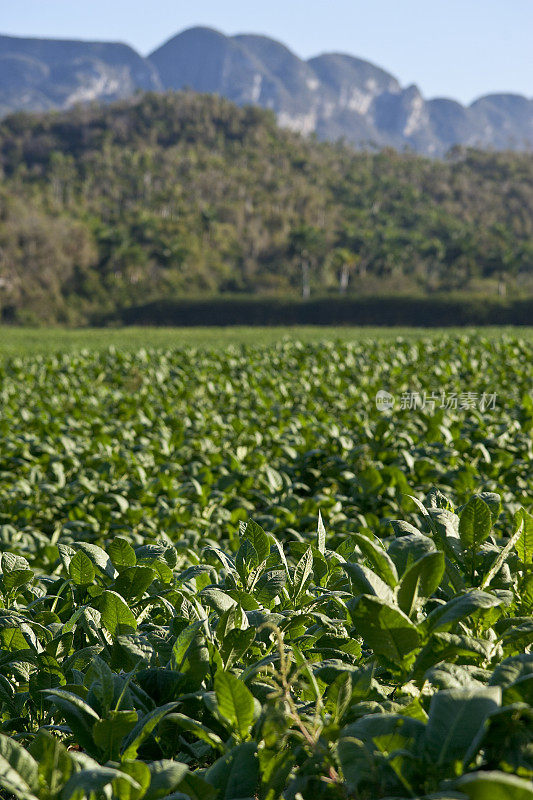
<point x="450" y="48"/>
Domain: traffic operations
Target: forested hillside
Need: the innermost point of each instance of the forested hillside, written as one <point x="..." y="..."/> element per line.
<point x="182" y="194"/>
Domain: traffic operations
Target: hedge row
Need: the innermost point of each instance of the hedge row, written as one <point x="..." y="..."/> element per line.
<point x="400" y="310"/>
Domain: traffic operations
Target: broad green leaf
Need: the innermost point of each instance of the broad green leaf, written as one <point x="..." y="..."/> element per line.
<point x="257" y="537"/>
<point x="93" y="779"/>
<point x="246" y="559"/>
<point x="235" y="702"/>
<point x="405" y="550"/>
<point x="270" y="585"/>
<point x="143" y="728"/>
<point x="132" y="582"/>
<point x="475" y="523"/>
<point x="381" y="562"/>
<point x="139" y="772"/>
<point x="54" y="762"/>
<point x="81" y="569"/>
<point x="512" y="669"/>
<point x="121" y="553"/>
<point x="384" y="628"/>
<point x="98" y="556"/>
<point x="493" y="501"/>
<point x="217" y="599"/>
<point x="116" y="614"/>
<point x="524" y="544"/>
<point x="15" y="578"/>
<point x="108" y="733"/>
<point x="455" y="717"/>
<point x="19" y="772"/>
<point x="491" y="785"/>
<point x="460" y="607"/>
<point x="236" y="774"/>
<point x="235" y="645"/>
<point x="364" y="581"/>
<point x="183" y="722"/>
<point x="165" y="777"/>
<point x="183" y="642"/>
<point x="420" y="581"/>
<point x="500" y="558"/>
<point x="105" y="686"/>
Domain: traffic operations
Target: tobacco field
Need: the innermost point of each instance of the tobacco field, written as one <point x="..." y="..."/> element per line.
<point x="232" y="576"/>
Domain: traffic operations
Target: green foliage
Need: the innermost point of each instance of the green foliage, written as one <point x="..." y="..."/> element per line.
<point x="104" y="208"/>
<point x="220" y="580"/>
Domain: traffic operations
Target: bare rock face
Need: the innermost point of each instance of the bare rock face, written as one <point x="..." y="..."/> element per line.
<point x="338" y="96"/>
<point x="39" y="74"/>
<point x="333" y="95"/>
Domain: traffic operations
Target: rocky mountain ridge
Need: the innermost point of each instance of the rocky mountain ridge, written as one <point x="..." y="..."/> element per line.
<point x="332" y="95"/>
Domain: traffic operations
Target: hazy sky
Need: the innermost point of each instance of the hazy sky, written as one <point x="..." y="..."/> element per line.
<point x="450" y="48"/>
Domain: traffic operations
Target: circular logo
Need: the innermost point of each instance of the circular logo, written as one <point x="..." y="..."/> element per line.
<point x="384" y="400"/>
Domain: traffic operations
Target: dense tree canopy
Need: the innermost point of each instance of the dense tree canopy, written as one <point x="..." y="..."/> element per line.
<point x="182" y="194"/>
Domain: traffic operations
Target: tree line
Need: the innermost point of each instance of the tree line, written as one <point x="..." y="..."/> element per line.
<point x="185" y="195"/>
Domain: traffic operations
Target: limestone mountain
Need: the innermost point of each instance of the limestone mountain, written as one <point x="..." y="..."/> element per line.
<point x="42" y="74"/>
<point x="338" y="96"/>
<point x="334" y="96"/>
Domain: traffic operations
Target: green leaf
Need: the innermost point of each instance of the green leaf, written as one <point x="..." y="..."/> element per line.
<point x="270" y="585"/>
<point x="194" y="787"/>
<point x="81" y="569"/>
<point x="385" y="629"/>
<point x="501" y="557"/>
<point x="144" y="727"/>
<point x="357" y="763"/>
<point x="405" y="550"/>
<point x="458" y="608"/>
<point x="524" y="544"/>
<point x="15" y="578"/>
<point x="340" y="694"/>
<point x="455" y="717"/>
<point x="121" y="553"/>
<point x="185" y="723"/>
<point x="78" y="714"/>
<point x="235" y="645"/>
<point x="54" y="762"/>
<point x="183" y="642"/>
<point x="512" y="669"/>
<point x="116" y="614"/>
<point x="217" y="599"/>
<point x="257" y="537"/>
<point x="475" y="524"/>
<point x="93" y="780"/>
<point x="302" y="572"/>
<point x="132" y="582"/>
<point x="235" y="702"/>
<point x="19" y="772"/>
<point x="236" y="774"/>
<point x="165" y="777"/>
<point x="493" y="501"/>
<point x="105" y="686"/>
<point x="420" y="581"/>
<point x="108" y="733"/>
<point x="491" y="785"/>
<point x="98" y="556"/>
<point x="378" y="557"/>
<point x="364" y="581"/>
<point x="139" y="772"/>
<point x="321" y="535"/>
<point x="246" y="559"/>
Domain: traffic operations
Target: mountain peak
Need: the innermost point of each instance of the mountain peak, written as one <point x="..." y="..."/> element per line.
<point x="335" y="95"/>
